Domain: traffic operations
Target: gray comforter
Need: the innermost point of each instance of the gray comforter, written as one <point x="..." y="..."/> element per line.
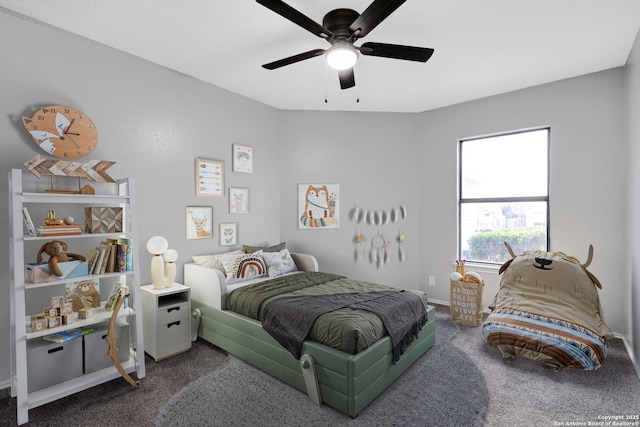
<point x="358" y="316"/>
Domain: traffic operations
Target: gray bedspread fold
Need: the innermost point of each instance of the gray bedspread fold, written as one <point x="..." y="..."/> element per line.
<point x="290" y="319"/>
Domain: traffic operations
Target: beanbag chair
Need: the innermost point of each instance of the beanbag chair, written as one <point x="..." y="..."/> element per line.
<point x="547" y="309"/>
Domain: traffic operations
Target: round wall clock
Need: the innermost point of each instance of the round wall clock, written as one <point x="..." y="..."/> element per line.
<point x="62" y="131"/>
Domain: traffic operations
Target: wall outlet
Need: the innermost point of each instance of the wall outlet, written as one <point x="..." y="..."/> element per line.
<point x="432" y="280"/>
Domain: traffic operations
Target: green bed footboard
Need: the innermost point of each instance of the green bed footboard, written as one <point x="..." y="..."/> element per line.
<point x="348" y="382"/>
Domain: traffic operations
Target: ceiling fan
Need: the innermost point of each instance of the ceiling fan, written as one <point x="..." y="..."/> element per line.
<point x="342" y="28"/>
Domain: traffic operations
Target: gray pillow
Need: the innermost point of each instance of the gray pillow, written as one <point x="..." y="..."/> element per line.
<point x="275" y="248"/>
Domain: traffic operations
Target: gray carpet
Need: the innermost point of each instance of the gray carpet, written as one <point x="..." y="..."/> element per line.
<point x="519" y="393"/>
<point x="443" y="388"/>
<point x="116" y="403"/>
<point x="523" y="393"/>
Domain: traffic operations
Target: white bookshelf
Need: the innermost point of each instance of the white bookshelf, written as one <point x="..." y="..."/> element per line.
<point x="21" y="248"/>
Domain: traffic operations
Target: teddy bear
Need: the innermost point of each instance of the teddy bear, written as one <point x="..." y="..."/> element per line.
<point x="56" y="250"/>
<point x="86" y="295"/>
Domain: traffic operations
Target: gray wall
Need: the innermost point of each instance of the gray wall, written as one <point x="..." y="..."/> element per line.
<point x="587" y="174"/>
<point x="374" y="159"/>
<point x="382" y="160"/>
<point x="631" y="261"/>
<point x="154" y="122"/>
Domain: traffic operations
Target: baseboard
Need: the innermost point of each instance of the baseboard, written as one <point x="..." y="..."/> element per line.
<point x="5" y="384"/>
<point x="448" y="304"/>
<point x="437" y="301"/>
<point x="629" y="348"/>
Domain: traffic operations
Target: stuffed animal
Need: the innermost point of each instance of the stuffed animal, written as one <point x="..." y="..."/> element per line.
<point x="86" y="295"/>
<point x="56" y="250"/>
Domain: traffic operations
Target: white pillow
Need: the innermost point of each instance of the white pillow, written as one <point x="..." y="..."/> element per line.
<point x="243" y="267"/>
<point x="213" y="261"/>
<point x="279" y="263"/>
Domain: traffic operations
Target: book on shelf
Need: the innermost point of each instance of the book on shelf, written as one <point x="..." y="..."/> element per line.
<point x="95" y="269"/>
<point x="47" y="233"/>
<point x="128" y="243"/>
<point x="67" y="335"/>
<point x="31" y="229"/>
<point x="62" y="227"/>
<point x="121" y="258"/>
<point x="91" y="260"/>
<point x="112" y="261"/>
<point x="114" y="296"/>
<point x="60" y="230"/>
<point x="112" y="256"/>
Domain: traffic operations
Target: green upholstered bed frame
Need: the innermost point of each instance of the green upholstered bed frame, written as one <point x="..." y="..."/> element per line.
<point x="347" y="382"/>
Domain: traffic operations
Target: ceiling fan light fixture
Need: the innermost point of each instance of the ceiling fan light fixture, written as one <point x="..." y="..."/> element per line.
<point x="342" y="55"/>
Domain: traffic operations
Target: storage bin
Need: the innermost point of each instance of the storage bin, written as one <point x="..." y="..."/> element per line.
<point x="466" y="302"/>
<point x="39" y="273"/>
<point x="51" y="363"/>
<point x="96" y="348"/>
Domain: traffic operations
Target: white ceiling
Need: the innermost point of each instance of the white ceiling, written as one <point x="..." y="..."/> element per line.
<point x="482" y="47"/>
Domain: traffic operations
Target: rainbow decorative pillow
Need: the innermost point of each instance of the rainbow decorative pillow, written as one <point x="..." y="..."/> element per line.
<point x="243" y="267"/>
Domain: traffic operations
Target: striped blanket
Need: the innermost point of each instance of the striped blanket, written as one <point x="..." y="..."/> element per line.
<point x="558" y="342"/>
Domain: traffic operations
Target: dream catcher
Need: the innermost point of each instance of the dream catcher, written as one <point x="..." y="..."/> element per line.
<point x="380" y="252"/>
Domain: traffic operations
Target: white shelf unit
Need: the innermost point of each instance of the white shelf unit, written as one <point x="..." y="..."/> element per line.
<point x="167" y="320"/>
<point x="21" y="291"/>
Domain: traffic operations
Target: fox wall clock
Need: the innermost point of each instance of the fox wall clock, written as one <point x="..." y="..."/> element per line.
<point x="62" y="131"/>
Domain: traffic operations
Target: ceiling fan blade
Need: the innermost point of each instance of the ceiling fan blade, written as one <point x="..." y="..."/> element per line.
<point x="293" y="59"/>
<point x="347" y="78"/>
<point x="374" y="15"/>
<point x="288" y="12"/>
<point x="409" y="53"/>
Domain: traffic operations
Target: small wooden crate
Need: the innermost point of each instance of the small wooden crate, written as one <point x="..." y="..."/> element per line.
<point x="103" y="220"/>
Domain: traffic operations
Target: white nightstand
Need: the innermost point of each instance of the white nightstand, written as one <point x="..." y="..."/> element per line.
<point x="166" y="315"/>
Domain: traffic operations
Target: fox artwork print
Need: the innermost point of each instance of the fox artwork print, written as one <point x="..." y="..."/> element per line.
<point x="319" y="206"/>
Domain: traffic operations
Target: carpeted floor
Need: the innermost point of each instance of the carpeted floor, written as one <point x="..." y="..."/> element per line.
<point x="116" y="403"/>
<point x="443" y="388"/>
<point x="490" y="392"/>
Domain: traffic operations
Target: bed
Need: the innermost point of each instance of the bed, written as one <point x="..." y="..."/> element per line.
<point x="345" y="381"/>
<point x="547" y="309"/>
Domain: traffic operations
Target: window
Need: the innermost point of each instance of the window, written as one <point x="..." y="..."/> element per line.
<point x="503" y="195"/>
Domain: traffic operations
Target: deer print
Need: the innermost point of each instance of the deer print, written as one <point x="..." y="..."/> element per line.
<point x="200" y="225"/>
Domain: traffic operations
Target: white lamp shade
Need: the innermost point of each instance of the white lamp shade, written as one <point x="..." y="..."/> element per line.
<point x="157" y="245"/>
<point x="171" y="255"/>
<point x="342" y="56"/>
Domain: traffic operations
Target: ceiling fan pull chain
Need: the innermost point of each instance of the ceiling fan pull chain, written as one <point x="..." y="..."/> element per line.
<point x="325" y="82"/>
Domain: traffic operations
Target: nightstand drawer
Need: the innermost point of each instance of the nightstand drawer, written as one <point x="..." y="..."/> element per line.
<point x="167" y="320"/>
<point x="172" y="313"/>
<point x="174" y="337"/>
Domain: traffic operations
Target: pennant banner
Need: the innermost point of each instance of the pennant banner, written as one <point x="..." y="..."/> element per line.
<point x="94" y="170"/>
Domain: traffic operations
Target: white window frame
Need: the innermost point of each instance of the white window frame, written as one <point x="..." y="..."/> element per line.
<point x="515" y="199"/>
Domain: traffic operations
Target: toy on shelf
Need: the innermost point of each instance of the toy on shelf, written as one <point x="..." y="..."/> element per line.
<point x="85" y="295"/>
<point x="56" y="250"/>
<point x="52" y="220"/>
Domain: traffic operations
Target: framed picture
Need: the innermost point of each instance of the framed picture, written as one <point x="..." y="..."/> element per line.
<point x="238" y="200"/>
<point x="209" y="178"/>
<point x="318" y="206"/>
<point x="198" y="221"/>
<point x="242" y="159"/>
<point x="228" y="233"/>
